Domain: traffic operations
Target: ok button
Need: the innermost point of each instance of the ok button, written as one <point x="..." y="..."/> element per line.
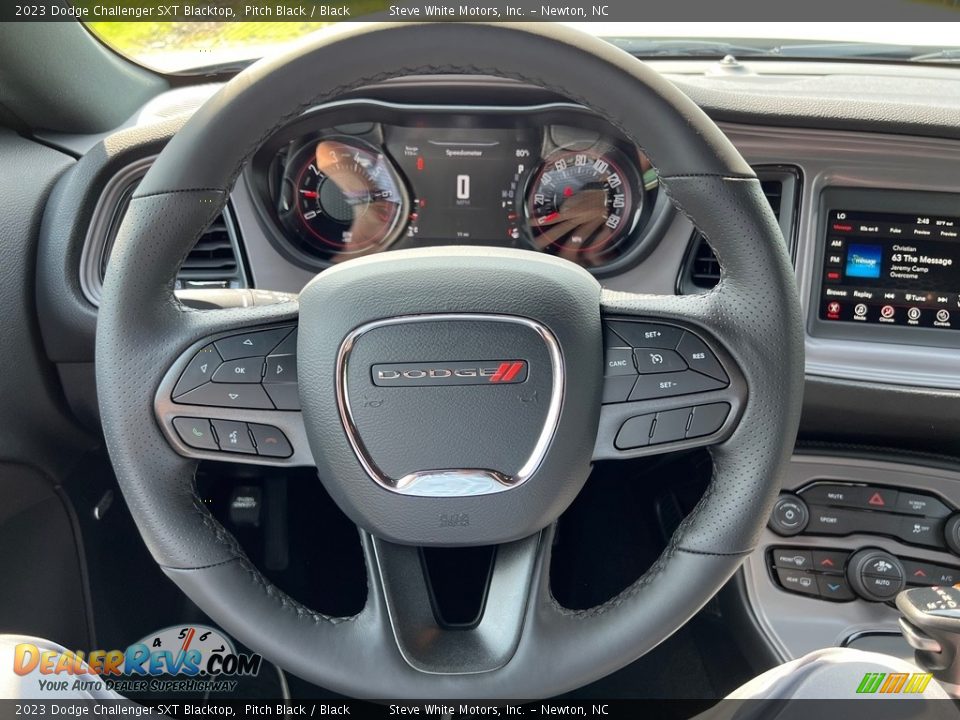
<point x="245" y="370"/>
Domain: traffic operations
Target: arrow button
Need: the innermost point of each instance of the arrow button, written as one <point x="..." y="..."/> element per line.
<point x="281" y="368"/>
<point x="230" y="395"/>
<point x="199" y="370"/>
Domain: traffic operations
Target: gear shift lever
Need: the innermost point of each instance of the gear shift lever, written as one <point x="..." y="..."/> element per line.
<point x="931" y="625"/>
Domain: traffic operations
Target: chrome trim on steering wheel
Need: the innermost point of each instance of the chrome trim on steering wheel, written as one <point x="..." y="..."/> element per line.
<point x="452" y="482"/>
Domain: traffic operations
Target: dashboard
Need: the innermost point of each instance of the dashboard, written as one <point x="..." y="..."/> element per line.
<point x="355" y="178"/>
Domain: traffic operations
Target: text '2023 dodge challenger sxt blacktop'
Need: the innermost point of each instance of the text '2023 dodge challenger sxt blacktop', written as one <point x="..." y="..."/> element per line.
<point x="479" y="368"/>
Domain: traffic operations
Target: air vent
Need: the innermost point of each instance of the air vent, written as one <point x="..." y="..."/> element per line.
<point x="213" y="259"/>
<point x="214" y="262"/>
<point x="781" y="186"/>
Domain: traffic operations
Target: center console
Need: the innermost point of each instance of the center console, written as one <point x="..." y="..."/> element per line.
<point x="845" y="537"/>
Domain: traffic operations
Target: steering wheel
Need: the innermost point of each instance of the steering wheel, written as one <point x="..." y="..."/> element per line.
<point x="455" y="396"/>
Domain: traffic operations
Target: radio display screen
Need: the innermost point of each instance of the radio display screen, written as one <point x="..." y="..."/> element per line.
<point x="891" y="269"/>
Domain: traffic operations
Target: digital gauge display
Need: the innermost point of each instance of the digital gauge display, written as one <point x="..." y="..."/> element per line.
<point x="464" y="182"/>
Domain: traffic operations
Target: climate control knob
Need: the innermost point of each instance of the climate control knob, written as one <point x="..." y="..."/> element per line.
<point x="951" y="533"/>
<point x="875" y="575"/>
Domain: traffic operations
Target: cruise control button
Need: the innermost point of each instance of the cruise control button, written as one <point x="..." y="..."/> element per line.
<point x="643" y="335"/>
<point x="798" y="581"/>
<point x="286" y="396"/>
<point x="657" y="360"/>
<point x="792" y="558"/>
<point x="670" y="426"/>
<point x="270" y="441"/>
<point x="195" y="432"/>
<point x="834" y="587"/>
<point x="233" y="437"/>
<point x="617" y="389"/>
<point x="917" y="504"/>
<point x="281" y="368"/>
<point x="229" y="395"/>
<point x="699" y="357"/>
<point x="618" y="361"/>
<point x="671" y="384"/>
<point x="246" y="370"/>
<point x="921" y="531"/>
<point x="199" y="370"/>
<point x="707" y="419"/>
<point x="635" y="432"/>
<point x="251" y="344"/>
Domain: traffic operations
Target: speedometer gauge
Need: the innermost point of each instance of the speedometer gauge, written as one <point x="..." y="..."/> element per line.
<point x="583" y="203"/>
<point x="343" y="197"/>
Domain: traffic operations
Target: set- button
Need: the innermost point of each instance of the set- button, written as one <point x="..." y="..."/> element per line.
<point x="644" y="361"/>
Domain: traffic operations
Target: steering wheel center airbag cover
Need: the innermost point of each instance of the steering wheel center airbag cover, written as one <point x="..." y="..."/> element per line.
<point x="474" y="415"/>
<point x="434" y="381"/>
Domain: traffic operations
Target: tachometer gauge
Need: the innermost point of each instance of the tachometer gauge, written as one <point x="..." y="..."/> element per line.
<point x="343" y="197"/>
<point x="581" y="204"/>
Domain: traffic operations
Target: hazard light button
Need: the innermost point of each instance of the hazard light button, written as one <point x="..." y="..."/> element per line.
<point x="875" y="498"/>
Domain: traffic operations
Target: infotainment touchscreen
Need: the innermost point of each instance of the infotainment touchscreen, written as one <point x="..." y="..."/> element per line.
<point x="891" y="269"/>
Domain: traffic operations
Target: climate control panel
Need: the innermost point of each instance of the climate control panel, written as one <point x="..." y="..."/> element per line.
<point x="841" y="575"/>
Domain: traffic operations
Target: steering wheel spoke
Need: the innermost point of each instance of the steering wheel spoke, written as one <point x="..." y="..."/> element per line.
<point x="430" y="644"/>
<point x="669" y="384"/>
<point x="233" y="393"/>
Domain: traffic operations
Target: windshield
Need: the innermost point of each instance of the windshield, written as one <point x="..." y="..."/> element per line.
<point x="199" y="46"/>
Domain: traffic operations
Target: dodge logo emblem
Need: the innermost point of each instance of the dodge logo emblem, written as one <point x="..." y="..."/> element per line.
<point x="480" y="372"/>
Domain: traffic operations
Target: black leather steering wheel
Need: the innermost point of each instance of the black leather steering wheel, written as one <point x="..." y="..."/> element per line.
<point x="478" y="482"/>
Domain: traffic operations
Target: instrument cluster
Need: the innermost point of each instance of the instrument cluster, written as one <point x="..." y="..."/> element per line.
<point x="359" y="177"/>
